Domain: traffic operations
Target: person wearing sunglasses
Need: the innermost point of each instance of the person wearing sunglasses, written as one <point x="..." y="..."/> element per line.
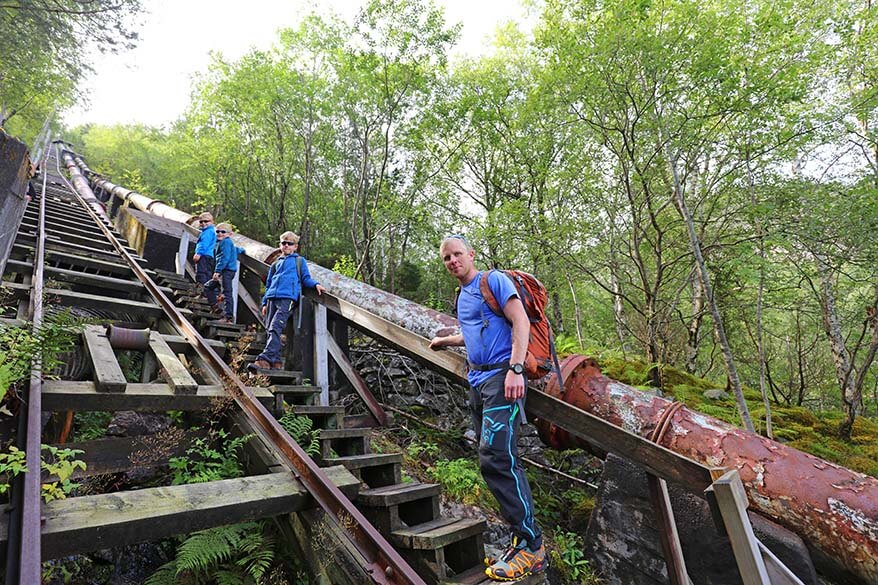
<point x="283" y="289"/>
<point x="203" y="257"/>
<point x="226" y="267"/>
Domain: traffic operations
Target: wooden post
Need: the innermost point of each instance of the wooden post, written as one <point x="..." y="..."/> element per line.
<point x="182" y="253"/>
<point x="667" y="527"/>
<point x="731" y="501"/>
<point x="321" y="354"/>
<point x="235" y="283"/>
<point x="107" y="374"/>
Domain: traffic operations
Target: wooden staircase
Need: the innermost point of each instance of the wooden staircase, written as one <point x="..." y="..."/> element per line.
<point x="441" y="550"/>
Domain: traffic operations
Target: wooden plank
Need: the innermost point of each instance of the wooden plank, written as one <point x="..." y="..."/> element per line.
<point x="778" y="573"/>
<point x="82" y="278"/>
<point x="180" y="344"/>
<point x="449" y="362"/>
<point x="175" y="373"/>
<point x="356" y="381"/>
<point x="661" y="462"/>
<point x="59" y="395"/>
<point x="667" y="527"/>
<point x="321" y="353"/>
<point x="439" y="533"/>
<point x="182" y="253"/>
<point x="60" y="246"/>
<point x="76" y="260"/>
<point x="78" y="525"/>
<point x="731" y="499"/>
<point x="68" y="298"/>
<point x="119" y="454"/>
<point x="108" y="375"/>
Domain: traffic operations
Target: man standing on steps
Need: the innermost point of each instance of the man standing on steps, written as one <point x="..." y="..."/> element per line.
<point x="203" y="257"/>
<point x="496" y="348"/>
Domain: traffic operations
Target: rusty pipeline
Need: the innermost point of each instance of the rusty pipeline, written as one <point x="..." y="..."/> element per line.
<point x="833" y="509"/>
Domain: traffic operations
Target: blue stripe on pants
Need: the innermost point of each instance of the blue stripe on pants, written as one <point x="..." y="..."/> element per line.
<point x="497" y="423"/>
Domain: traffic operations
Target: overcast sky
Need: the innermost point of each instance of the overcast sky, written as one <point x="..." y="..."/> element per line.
<point x="151" y="84"/>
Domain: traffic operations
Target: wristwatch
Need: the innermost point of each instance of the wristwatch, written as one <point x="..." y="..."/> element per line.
<point x="517" y="368"/>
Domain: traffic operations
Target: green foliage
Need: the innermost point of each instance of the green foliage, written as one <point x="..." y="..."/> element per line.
<point x="209" y="458"/>
<point x="302" y="432"/>
<point x="20" y="345"/>
<point x="58" y="464"/>
<point x="462" y="480"/>
<point x="569" y="559"/>
<point x="92" y="425"/>
<point x="237" y="554"/>
<point x="425" y="449"/>
<point x="345" y="266"/>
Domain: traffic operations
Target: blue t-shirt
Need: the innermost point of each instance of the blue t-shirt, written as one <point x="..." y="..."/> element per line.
<point x="485" y="344"/>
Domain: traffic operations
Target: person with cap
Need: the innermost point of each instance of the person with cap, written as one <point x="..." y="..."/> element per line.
<point x="203" y="257"/>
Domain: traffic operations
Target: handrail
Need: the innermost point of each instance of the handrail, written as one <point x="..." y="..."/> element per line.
<point x="384" y="563"/>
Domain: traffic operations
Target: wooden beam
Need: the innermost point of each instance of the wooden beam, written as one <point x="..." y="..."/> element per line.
<point x="731" y="499"/>
<point x="68" y="298"/>
<point x="661" y="462"/>
<point x="176" y="375"/>
<point x="449" y="362"/>
<point x="667" y="527"/>
<point x="59" y="395"/>
<point x="118" y="454"/>
<point x="22" y="251"/>
<point x="108" y="376"/>
<point x="180" y="344"/>
<point x="321" y="353"/>
<point x="356" y="381"/>
<point x="778" y="573"/>
<point x="87" y="523"/>
<point x="83" y="278"/>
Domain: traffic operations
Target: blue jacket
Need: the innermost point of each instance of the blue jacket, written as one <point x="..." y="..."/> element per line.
<point x="206" y="241"/>
<point x="283" y="279"/>
<point x="226" y="255"/>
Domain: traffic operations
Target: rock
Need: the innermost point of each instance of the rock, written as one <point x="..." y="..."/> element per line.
<point x="716" y="394"/>
<point x="127" y="423"/>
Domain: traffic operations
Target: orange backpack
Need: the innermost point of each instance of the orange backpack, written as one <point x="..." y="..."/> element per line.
<point x="541" y="355"/>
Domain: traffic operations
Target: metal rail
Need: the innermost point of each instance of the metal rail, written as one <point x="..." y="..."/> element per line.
<point x="24" y="555"/>
<point x="384" y="564"/>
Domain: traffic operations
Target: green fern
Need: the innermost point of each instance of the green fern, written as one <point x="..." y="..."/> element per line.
<point x="301" y="430"/>
<point x="165" y="575"/>
<point x="207" y="548"/>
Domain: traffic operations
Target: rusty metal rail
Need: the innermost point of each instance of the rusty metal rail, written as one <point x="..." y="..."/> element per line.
<point x="384" y="564"/>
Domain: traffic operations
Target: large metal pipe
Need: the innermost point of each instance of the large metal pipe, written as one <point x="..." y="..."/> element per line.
<point x="833" y="509"/>
<point x="81" y="184"/>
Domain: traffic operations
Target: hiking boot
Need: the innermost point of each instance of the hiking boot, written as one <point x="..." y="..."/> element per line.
<point x="259" y="365"/>
<point x="517" y="562"/>
<point x="277" y="366"/>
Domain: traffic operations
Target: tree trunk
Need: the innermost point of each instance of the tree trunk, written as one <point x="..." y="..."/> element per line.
<point x="576" y="312"/>
<point x="694" y="327"/>
<point x="731" y="370"/>
<point x="760" y="345"/>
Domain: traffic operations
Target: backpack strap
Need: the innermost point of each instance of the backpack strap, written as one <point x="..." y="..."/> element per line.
<point x="488" y="294"/>
<point x="301" y="292"/>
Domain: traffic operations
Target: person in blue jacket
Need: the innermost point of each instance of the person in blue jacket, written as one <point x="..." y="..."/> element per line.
<point x="203" y="257"/>
<point x="226" y="267"/>
<point x="283" y="288"/>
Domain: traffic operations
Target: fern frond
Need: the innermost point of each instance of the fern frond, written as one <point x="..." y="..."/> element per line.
<point x="207" y="548"/>
<point x="164" y="575"/>
<point x="228" y="577"/>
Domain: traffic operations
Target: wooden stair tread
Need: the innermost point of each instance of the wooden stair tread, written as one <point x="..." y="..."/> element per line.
<point x="297" y="389"/>
<point x="401" y="493"/>
<point x="367" y="460"/>
<point x="476" y="576"/>
<point x="344" y="433"/>
<point x="308" y="409"/>
<point x="223" y="325"/>
<point x="278" y="374"/>
<point x="438" y="533"/>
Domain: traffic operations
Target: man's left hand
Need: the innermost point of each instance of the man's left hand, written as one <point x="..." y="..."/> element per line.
<point x="514" y="386"/>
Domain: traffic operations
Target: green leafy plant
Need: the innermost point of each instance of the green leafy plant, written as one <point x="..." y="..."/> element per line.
<point x="302" y="432"/>
<point x="58" y="464"/>
<point x="417" y="449"/>
<point x="19" y="345"/>
<point x="569" y="560"/>
<point x="236" y="554"/>
<point x="346" y="266"/>
<point x="92" y="425"/>
<point x="462" y="480"/>
<point x="209" y="459"/>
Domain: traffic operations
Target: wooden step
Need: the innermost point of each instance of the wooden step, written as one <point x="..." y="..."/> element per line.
<point x="324" y="417"/>
<point x="296" y="394"/>
<point x="476" y="576"/>
<point x="288" y="376"/>
<point x="399" y="506"/>
<point x="375" y="469"/>
<point x="223" y="325"/>
<point x="344" y="442"/>
<point x="438" y="533"/>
